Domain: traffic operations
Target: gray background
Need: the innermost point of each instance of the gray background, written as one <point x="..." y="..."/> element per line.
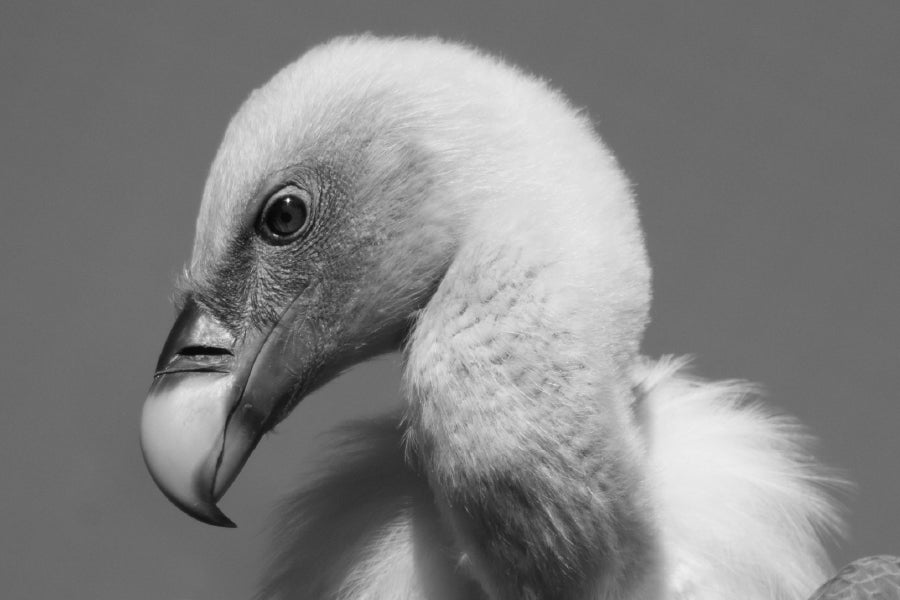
<point x="763" y="143"/>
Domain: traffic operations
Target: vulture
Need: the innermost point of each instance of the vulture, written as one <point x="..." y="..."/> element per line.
<point x="422" y="196"/>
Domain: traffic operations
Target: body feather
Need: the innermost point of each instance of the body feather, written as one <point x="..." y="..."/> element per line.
<point x="741" y="506"/>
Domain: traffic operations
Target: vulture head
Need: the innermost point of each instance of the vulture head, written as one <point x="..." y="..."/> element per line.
<point x="379" y="194"/>
<point x="383" y="194"/>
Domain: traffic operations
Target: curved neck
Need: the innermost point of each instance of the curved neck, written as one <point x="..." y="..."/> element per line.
<point x="520" y="413"/>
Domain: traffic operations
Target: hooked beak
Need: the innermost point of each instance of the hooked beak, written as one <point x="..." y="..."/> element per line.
<point x="212" y="399"/>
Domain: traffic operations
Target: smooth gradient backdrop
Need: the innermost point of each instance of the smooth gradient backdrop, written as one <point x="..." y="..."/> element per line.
<point x="763" y="140"/>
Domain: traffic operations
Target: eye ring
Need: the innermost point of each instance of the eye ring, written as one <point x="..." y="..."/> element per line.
<point x="285" y="216"/>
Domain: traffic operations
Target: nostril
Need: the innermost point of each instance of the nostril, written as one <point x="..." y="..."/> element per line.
<point x="204" y="351"/>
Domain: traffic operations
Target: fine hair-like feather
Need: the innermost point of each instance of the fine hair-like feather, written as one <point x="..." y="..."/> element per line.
<point x="741" y="505"/>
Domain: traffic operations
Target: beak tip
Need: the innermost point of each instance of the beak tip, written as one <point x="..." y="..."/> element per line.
<point x="218" y="518"/>
<point x="204" y="511"/>
<point x="182" y="439"/>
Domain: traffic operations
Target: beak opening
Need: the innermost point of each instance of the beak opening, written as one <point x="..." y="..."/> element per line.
<point x="212" y="399"/>
<point x="184" y="428"/>
<point x="196" y="430"/>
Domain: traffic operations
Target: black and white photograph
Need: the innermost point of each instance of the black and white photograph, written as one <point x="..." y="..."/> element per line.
<point x="450" y="300"/>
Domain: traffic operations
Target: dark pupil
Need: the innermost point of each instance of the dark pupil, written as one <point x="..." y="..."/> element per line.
<point x="286" y="215"/>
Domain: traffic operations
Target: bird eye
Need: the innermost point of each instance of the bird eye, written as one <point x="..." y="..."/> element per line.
<point x="284" y="216"/>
